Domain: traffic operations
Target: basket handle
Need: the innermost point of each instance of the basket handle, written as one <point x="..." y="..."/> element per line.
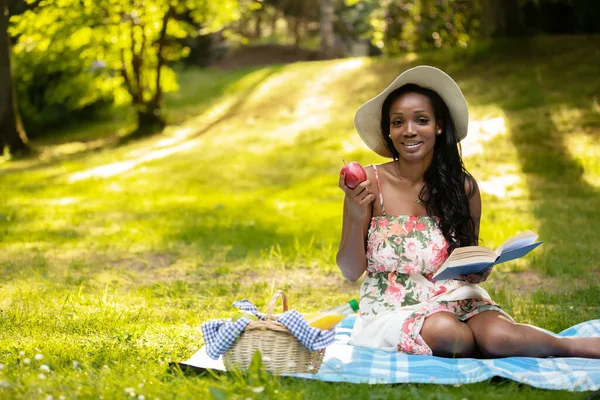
<point x="271" y="308"/>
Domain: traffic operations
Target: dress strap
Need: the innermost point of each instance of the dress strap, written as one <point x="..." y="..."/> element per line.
<point x="379" y="189"/>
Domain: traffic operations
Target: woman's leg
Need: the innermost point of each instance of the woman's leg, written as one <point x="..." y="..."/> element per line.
<point x="497" y="336"/>
<point x="447" y="336"/>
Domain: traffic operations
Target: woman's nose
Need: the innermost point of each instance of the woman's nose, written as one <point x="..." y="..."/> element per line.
<point x="410" y="129"/>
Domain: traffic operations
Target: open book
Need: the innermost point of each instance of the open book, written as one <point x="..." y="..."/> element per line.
<point x="476" y="259"/>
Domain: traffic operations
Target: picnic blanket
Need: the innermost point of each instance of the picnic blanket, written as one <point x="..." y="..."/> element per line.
<point x="346" y="363"/>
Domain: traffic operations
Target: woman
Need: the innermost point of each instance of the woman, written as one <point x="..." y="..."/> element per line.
<point x="402" y="223"/>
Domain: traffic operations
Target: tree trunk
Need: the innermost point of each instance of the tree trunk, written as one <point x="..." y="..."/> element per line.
<point x="150" y="121"/>
<point x="149" y="113"/>
<point x="326" y="28"/>
<point x="12" y="134"/>
<point x="258" y="26"/>
<point x="274" y="20"/>
<point x="513" y="20"/>
<point x="296" y="31"/>
<point x="501" y="18"/>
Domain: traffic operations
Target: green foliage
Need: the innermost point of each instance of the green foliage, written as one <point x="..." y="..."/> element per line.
<point x="413" y="26"/>
<point x="71" y="53"/>
<point x="57" y="88"/>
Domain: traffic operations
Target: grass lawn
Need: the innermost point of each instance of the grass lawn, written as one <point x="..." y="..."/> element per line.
<point x="112" y="256"/>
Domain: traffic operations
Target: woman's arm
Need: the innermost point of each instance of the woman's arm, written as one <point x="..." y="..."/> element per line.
<point x="472" y="190"/>
<point x="358" y="209"/>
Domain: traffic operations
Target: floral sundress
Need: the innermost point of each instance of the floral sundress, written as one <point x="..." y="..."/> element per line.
<point x="397" y="294"/>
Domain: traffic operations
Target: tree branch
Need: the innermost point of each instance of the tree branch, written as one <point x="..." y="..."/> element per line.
<point x="136" y="66"/>
<point x="126" y="76"/>
<point x="161" y="59"/>
<point x="141" y="59"/>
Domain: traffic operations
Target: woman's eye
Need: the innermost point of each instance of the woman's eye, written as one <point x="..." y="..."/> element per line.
<point x="422" y="120"/>
<point x="396" y="123"/>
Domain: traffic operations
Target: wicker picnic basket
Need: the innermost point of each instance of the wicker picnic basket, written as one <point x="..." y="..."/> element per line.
<point x="281" y="352"/>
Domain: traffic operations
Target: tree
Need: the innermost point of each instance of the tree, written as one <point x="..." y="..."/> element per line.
<point x="326" y="27"/>
<point x="12" y="134"/>
<point x="501" y="18"/>
<point x="134" y="41"/>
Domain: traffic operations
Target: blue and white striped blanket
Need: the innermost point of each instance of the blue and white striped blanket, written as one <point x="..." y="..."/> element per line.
<point x="345" y="363"/>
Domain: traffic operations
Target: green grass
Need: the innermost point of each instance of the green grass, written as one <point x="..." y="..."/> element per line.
<point x="112" y="256"/>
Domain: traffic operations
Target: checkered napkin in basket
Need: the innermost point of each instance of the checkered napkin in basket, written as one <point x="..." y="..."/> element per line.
<point x="219" y="335"/>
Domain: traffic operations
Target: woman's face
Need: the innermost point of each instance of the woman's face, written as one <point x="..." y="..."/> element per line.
<point x="413" y="127"/>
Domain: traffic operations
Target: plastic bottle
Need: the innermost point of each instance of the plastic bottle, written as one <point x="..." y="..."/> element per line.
<point x="328" y="319"/>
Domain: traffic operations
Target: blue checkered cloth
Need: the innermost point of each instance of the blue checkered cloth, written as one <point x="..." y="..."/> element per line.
<point x="219" y="335"/>
<point x="346" y="363"/>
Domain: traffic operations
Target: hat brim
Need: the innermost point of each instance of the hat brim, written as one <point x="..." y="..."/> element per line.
<point x="368" y="117"/>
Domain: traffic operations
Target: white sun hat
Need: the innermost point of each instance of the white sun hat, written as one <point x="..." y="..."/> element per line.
<point x="368" y="117"/>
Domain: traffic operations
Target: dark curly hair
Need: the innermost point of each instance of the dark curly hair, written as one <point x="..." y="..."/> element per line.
<point x="444" y="190"/>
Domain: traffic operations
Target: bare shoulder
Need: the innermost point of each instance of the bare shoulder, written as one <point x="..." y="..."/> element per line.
<point x="370" y="170"/>
<point x="471" y="186"/>
<point x="382" y="169"/>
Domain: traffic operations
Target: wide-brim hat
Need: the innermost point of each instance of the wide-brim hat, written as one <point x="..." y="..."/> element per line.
<point x="368" y="117"/>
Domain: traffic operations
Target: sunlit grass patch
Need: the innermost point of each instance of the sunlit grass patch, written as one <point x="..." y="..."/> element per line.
<point x="115" y="259"/>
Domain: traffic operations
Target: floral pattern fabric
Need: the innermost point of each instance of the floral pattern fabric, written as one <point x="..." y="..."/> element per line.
<point x="403" y="253"/>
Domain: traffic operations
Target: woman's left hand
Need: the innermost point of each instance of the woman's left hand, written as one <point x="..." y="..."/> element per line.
<point x="477" y="278"/>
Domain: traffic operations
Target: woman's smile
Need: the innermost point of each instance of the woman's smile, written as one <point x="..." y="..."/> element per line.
<point x="411" y="145"/>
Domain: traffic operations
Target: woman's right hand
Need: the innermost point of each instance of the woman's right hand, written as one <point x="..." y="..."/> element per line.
<point x="359" y="199"/>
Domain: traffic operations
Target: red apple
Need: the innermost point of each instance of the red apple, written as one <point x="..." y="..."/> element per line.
<point x="354" y="173"/>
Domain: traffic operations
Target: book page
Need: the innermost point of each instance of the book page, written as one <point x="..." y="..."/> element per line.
<point x="469" y="255"/>
<point x="471" y="260"/>
<point x="463" y="252"/>
<point x="518" y="241"/>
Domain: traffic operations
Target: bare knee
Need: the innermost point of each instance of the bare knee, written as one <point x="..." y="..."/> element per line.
<point x="447" y="336"/>
<point x="494" y="341"/>
<point x="499" y="339"/>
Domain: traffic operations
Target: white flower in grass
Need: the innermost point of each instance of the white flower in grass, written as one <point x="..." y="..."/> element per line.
<point x="130" y="391"/>
<point x="42" y="376"/>
<point x="38" y="357"/>
<point x="105" y="367"/>
<point x="1" y="367"/>
<point x="4" y="384"/>
<point x="44" y="367"/>
<point x="75" y="364"/>
<point x="258" y="389"/>
<point x="61" y="397"/>
<point x="26" y="361"/>
<point x="21" y="353"/>
<point x="49" y="397"/>
<point x="141" y="397"/>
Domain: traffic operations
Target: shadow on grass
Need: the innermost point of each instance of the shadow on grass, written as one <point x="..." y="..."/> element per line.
<point x="86" y="147"/>
<point x="533" y="90"/>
